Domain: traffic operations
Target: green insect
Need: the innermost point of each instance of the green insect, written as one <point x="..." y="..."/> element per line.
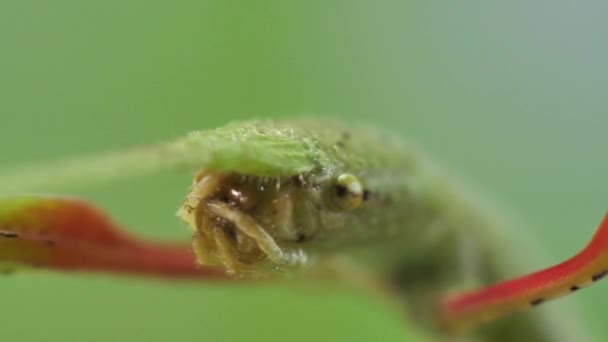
<point x="298" y="200"/>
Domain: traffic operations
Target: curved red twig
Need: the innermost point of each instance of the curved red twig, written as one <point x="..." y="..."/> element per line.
<point x="585" y="268"/>
<point x="71" y="235"/>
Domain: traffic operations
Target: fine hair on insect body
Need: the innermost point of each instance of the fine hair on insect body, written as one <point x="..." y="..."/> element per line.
<point x="301" y="199"/>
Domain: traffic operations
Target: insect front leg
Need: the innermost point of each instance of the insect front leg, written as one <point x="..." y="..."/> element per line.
<point x="266" y="243"/>
<point x="203" y="248"/>
<point x="215" y="247"/>
<point x="226" y="251"/>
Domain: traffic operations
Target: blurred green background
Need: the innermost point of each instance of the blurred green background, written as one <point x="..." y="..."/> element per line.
<point x="512" y="95"/>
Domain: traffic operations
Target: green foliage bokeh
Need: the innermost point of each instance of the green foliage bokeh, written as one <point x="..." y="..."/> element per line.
<point x="511" y="95"/>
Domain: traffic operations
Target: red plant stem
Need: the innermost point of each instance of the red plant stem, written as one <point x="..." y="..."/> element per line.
<point x="138" y="258"/>
<point x="585" y="268"/>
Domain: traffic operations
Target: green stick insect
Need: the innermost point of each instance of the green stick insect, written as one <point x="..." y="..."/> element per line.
<point x="301" y="200"/>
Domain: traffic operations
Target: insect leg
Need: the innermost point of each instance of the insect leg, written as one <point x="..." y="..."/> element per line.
<point x="251" y="228"/>
<point x="284" y="217"/>
<point x="225" y="248"/>
<point x="202" y="248"/>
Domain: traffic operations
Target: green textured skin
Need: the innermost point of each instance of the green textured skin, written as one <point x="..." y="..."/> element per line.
<point x="410" y="233"/>
<point x="413" y="229"/>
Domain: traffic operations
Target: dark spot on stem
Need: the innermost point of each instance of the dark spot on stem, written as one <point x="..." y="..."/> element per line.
<point x="537" y="301"/>
<point x="366" y="195"/>
<point x="599" y="275"/>
<point x="8" y="235"/>
<point x="574" y="288"/>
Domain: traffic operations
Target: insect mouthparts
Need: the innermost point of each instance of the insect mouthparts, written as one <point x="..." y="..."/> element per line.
<point x="224" y="211"/>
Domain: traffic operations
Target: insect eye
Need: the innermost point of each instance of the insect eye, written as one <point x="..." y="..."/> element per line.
<point x="347" y="192"/>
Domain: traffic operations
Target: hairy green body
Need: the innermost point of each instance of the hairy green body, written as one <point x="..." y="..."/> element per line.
<point x="417" y="229"/>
